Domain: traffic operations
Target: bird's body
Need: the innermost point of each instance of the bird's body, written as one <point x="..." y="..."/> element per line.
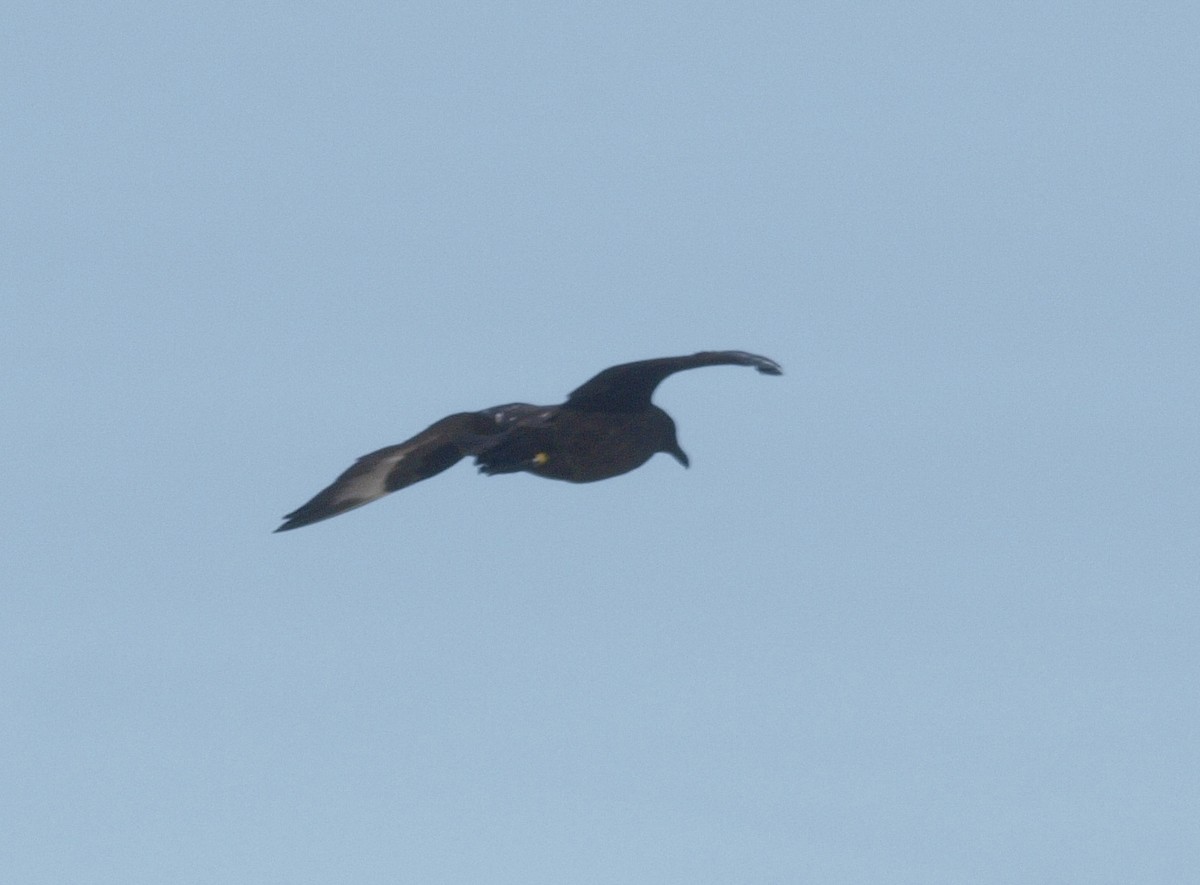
<point x="607" y="427"/>
<point x="580" y="446"/>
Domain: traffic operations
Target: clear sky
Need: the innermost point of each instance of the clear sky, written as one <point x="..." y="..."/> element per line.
<point x="926" y="609"/>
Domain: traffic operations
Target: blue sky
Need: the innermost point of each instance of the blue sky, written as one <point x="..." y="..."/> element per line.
<point x="923" y="610"/>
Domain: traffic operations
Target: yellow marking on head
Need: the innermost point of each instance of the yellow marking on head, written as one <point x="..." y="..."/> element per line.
<point x="541" y="458"/>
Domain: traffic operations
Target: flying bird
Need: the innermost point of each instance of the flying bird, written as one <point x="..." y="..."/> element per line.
<point x="607" y="427"/>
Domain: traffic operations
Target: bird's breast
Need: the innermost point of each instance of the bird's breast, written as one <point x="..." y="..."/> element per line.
<point x="587" y="447"/>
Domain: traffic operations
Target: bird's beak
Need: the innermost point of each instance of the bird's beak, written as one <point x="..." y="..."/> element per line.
<point x="679" y="455"/>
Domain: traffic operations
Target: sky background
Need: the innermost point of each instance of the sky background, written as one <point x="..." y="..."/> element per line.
<point x="926" y="609"/>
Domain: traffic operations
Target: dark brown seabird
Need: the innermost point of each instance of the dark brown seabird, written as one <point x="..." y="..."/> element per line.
<point x="607" y="427"/>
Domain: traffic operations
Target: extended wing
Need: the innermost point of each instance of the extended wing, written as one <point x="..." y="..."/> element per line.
<point x="630" y="385"/>
<point x="441" y="445"/>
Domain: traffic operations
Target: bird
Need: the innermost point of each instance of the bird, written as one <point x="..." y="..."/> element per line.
<point x="607" y="426"/>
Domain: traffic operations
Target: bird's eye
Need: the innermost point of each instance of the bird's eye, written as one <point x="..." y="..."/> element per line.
<point x="541" y="458"/>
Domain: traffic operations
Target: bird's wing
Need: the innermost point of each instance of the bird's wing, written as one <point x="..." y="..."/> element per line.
<point x="439" y="446"/>
<point x="630" y="385"/>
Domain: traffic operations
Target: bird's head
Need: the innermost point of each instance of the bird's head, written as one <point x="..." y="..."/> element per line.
<point x="667" y="440"/>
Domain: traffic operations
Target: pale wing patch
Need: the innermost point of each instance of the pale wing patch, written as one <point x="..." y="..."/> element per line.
<point x="368" y="478"/>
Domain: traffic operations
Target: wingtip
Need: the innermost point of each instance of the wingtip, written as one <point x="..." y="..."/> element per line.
<point x="292" y="521"/>
<point x="762" y="364"/>
<point x="289" y="522"/>
<point x="767" y="366"/>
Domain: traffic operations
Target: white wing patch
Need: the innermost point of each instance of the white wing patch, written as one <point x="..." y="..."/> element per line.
<point x="371" y="483"/>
